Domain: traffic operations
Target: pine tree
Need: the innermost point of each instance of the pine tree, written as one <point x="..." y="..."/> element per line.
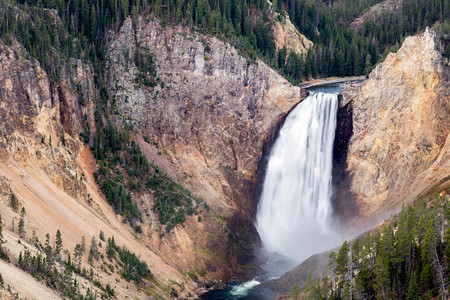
<point x="22" y="223"/>
<point x="47" y="247"/>
<point x="331" y="268"/>
<point x="13" y="202"/>
<point x="342" y="267"/>
<point x="93" y="250"/>
<point x="413" y="288"/>
<point x="199" y="12"/>
<point x="282" y="53"/>
<point x="93" y="24"/>
<point x="2" y="240"/>
<point x="78" y="252"/>
<point x="58" y="244"/>
<point x="20" y="260"/>
<point x="295" y="292"/>
<point x="84" y="15"/>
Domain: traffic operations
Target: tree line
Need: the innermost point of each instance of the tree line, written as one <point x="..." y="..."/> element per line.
<point x="338" y="49"/>
<point x="407" y="259"/>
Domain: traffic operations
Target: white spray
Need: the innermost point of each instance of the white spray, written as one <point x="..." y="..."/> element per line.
<point x="294" y="211"/>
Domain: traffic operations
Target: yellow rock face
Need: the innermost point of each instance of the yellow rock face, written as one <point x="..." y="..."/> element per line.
<point x="401" y="118"/>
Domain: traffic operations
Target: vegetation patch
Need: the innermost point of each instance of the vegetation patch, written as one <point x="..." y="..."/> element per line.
<point x="407" y="259"/>
<point x="47" y="265"/>
<point x="173" y="201"/>
<point x="121" y="164"/>
<point x="132" y="268"/>
<point x="146" y="68"/>
<point x="123" y="169"/>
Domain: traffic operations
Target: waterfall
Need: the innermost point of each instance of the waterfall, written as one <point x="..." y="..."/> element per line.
<point x="294" y="211"/>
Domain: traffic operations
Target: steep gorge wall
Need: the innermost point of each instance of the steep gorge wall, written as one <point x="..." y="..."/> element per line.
<point x="48" y="171"/>
<point x="37" y="115"/>
<point x="401" y="120"/>
<point x="212" y="112"/>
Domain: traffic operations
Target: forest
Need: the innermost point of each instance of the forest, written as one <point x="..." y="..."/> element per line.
<point x="405" y="259"/>
<point x="339" y="49"/>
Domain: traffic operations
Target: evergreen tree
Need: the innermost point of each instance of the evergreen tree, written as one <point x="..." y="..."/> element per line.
<point x="58" y="244"/>
<point x="22" y="223"/>
<point x="84" y="15"/>
<point x="295" y="292"/>
<point x="282" y="53"/>
<point x="2" y="240"/>
<point x="78" y="252"/>
<point x="342" y="267"/>
<point x="93" y="250"/>
<point x="13" y="202"/>
<point x="93" y="23"/>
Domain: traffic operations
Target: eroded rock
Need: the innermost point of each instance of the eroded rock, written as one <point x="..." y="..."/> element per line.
<point x="401" y="121"/>
<point x="212" y="112"/>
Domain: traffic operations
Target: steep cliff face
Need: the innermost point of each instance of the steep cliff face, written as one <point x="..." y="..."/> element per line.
<point x="211" y="113"/>
<point x="45" y="169"/>
<point x="204" y="115"/>
<point x="401" y="120"/>
<point x="41" y="120"/>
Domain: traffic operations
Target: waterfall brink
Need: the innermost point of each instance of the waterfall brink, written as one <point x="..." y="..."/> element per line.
<point x="294" y="211"/>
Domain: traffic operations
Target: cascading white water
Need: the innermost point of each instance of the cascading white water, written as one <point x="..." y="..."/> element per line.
<point x="293" y="214"/>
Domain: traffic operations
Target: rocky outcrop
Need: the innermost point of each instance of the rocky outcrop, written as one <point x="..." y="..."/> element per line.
<point x="41" y="120"/>
<point x="374" y="12"/>
<point x="5" y="191"/>
<point x="343" y="200"/>
<point x="401" y="121"/>
<point x="212" y="112"/>
<point x="287" y="35"/>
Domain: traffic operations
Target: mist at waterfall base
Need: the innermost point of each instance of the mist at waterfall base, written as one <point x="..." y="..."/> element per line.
<point x="294" y="217"/>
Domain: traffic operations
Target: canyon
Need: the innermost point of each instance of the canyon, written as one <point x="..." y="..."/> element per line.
<point x="208" y="121"/>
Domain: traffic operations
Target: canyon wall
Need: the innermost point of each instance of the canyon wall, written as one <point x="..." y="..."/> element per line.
<point x="46" y="169"/>
<point x="401" y="120"/>
<point x="210" y="117"/>
<point x="41" y="120"/>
